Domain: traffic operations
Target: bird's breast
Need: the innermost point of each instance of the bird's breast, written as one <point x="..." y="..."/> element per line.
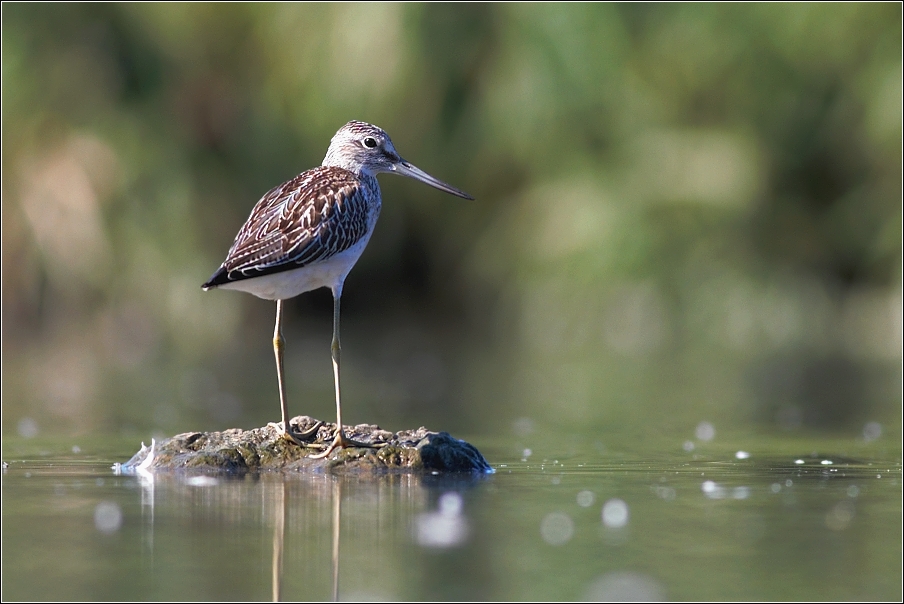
<point x="329" y="272"/>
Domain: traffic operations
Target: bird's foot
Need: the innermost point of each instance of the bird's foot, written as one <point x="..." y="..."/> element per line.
<point x="342" y="442"/>
<point x="299" y="438"/>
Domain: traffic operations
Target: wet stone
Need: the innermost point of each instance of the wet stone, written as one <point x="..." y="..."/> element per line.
<point x="263" y="449"/>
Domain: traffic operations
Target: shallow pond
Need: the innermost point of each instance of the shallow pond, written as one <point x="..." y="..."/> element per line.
<point x="769" y="519"/>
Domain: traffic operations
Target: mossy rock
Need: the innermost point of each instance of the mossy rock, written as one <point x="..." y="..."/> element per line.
<point x="264" y="449"/>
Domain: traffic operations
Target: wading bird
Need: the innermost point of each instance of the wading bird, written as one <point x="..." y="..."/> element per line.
<point x="308" y="233"/>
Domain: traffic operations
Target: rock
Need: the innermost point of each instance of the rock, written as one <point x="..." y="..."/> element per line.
<point x="419" y="451"/>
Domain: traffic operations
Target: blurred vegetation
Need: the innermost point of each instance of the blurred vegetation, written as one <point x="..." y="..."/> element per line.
<point x="684" y="213"/>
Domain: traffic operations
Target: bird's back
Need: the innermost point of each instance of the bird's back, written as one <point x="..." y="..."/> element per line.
<point x="308" y="219"/>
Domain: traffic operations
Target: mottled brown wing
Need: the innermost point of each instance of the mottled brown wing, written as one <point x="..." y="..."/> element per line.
<point x="315" y="215"/>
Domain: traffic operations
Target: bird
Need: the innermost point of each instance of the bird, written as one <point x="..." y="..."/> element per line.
<point x="308" y="233"/>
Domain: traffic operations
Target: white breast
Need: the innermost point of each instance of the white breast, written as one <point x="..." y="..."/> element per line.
<point x="330" y="272"/>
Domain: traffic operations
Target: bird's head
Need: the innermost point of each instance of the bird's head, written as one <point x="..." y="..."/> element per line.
<point x="365" y="149"/>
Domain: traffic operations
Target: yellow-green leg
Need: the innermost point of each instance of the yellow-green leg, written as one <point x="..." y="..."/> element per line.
<point x="279" y="344"/>
<point x="340" y="441"/>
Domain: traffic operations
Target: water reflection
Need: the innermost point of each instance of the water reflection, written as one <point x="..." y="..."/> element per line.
<point x="108" y="516"/>
<point x="279" y="530"/>
<point x="446" y="527"/>
<point x="337" y="524"/>
<point x="302" y="511"/>
<point x="685" y="526"/>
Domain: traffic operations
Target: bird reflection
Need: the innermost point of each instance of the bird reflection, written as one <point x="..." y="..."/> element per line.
<point x="337" y="515"/>
<point x="146" y="479"/>
<point x="279" y="531"/>
<point x="293" y="511"/>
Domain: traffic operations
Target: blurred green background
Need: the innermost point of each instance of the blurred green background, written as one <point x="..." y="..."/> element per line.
<point x="684" y="214"/>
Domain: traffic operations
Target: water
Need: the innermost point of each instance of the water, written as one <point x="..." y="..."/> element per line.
<point x="801" y="519"/>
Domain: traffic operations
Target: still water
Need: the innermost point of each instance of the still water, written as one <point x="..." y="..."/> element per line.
<point x="765" y="519"/>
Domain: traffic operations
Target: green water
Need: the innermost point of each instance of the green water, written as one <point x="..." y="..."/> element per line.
<point x="657" y="523"/>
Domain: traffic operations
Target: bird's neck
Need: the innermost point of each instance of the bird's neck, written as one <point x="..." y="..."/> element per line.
<point x="339" y="160"/>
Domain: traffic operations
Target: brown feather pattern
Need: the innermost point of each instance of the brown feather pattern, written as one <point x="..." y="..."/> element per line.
<point x="313" y="216"/>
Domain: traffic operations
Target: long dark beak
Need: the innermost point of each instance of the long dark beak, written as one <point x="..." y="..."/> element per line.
<point x="406" y="169"/>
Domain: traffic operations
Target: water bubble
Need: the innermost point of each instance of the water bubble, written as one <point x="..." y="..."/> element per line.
<point x="615" y="513"/>
<point x="839" y="517"/>
<point x="523" y="426"/>
<point x="557" y="528"/>
<point x="826" y="462"/>
<point x="688" y="446"/>
<point x="527" y="453"/>
<point x="27" y="427"/>
<point x="107" y="517"/>
<point x="742" y="455"/>
<point x="585" y="499"/>
<point x="872" y="431"/>
<point x="853" y="491"/>
<point x="446" y="527"/>
<point x="789" y="482"/>
<point x="440" y="531"/>
<point x="799" y="462"/>
<point x="776" y="487"/>
<point x="705" y="431"/>
<point x="624" y="586"/>
<point x="76" y="449"/>
<point x="450" y="504"/>
<point x="712" y="490"/>
<point x="741" y="492"/>
<point x="667" y="493"/>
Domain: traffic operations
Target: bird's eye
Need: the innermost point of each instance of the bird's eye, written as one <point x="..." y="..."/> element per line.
<point x="370" y="142"/>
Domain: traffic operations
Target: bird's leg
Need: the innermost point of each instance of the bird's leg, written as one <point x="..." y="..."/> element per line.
<point x="279" y="343"/>
<point x="340" y="441"/>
